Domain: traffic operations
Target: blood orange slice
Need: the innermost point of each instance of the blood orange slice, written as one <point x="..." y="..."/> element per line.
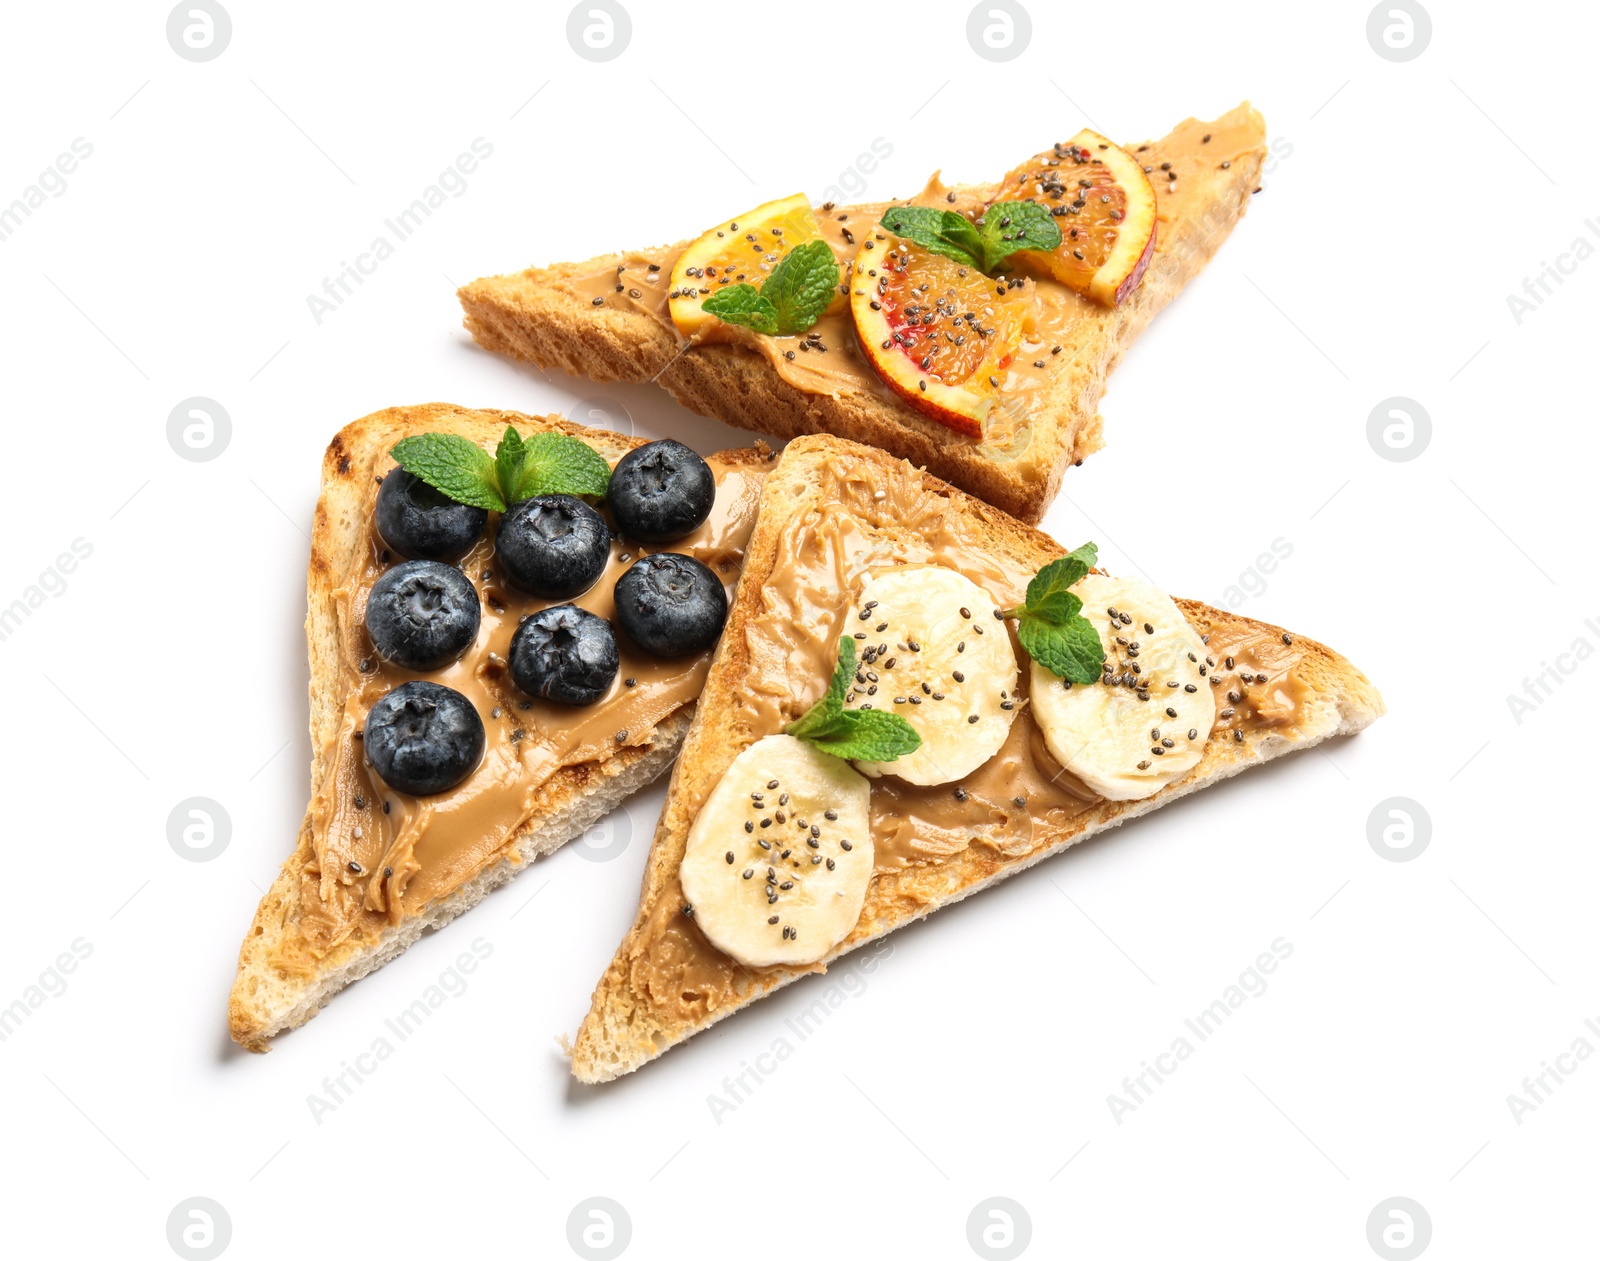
<point x="1105" y="208"/>
<point x="939" y="333"/>
<point x="742" y="250"/>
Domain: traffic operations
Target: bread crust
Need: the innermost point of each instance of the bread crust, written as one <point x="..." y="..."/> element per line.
<point x="267" y="999"/>
<point x="535" y="315"/>
<point x="623" y="1030"/>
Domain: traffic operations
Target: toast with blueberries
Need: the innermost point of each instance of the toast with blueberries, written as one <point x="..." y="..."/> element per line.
<point x="916" y="696"/>
<point x="509" y="621"/>
<point x="970" y="330"/>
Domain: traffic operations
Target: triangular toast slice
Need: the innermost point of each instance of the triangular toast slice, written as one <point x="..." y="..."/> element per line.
<point x="830" y="510"/>
<point x="315" y="931"/>
<point x="583" y="318"/>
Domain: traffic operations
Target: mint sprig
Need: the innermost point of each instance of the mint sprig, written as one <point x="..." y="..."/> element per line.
<point x="1050" y="622"/>
<point x="1005" y="228"/>
<point x="790" y="301"/>
<point x="556" y="464"/>
<point x="944" y="232"/>
<point x="857" y="735"/>
<point x="543" y="464"/>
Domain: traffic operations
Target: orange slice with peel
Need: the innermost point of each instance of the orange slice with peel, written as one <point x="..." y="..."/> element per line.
<point x="940" y="334"/>
<point x="1105" y="208"/>
<point x="742" y="250"/>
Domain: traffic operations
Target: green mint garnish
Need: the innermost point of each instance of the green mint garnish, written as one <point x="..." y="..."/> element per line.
<point x="743" y="305"/>
<point x="940" y="231"/>
<point x="791" y="300"/>
<point x="453" y="466"/>
<point x="857" y="735"/>
<point x="544" y="464"/>
<point x="1050" y="622"/>
<point x="555" y="464"/>
<point x="1006" y="227"/>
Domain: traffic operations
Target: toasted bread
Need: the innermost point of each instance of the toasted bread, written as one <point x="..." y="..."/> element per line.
<point x="546" y="315"/>
<point x="281" y="982"/>
<point x="654" y="996"/>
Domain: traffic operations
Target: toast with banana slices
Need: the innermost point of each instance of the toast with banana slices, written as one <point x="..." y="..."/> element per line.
<point x="1003" y="425"/>
<point x="374" y="865"/>
<point x="1049" y="701"/>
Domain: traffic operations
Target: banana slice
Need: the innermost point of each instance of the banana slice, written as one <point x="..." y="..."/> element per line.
<point x="780" y="856"/>
<point x="1146" y="722"/>
<point x="935" y="655"/>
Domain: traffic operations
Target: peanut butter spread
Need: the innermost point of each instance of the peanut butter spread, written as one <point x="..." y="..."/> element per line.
<point x="930" y="843"/>
<point x="1060" y="328"/>
<point x="378" y="854"/>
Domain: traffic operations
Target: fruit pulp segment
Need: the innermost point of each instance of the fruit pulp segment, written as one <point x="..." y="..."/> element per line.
<point x="952" y="322"/>
<point x="753" y="251"/>
<point x="1095" y="206"/>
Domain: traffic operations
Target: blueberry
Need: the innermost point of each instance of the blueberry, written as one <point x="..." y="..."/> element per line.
<point x="671" y="605"/>
<point x="420" y="523"/>
<point x="422" y="614"/>
<point x="424" y="738"/>
<point x="661" y="491"/>
<point x="564" y="654"/>
<point x="553" y="546"/>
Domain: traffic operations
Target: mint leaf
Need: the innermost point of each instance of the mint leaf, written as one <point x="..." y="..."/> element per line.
<point x="1069" y="650"/>
<point x="867" y="735"/>
<point x="940" y="231"/>
<point x="1009" y="226"/>
<point x="791" y="299"/>
<point x="1050" y="623"/>
<point x="824" y="717"/>
<point x="1006" y="227"/>
<point x="870" y="735"/>
<point x="508" y="458"/>
<point x="556" y="464"/>
<point x="544" y="464"/>
<point x="453" y="466"/>
<point x="1054" y="580"/>
<point x="743" y="305"/>
<point x="801" y="286"/>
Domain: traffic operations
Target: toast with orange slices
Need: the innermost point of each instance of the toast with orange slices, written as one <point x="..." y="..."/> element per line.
<point x="995" y="390"/>
<point x="774" y="857"/>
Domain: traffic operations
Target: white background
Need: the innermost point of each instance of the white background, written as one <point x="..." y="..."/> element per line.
<point x="1409" y="201"/>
